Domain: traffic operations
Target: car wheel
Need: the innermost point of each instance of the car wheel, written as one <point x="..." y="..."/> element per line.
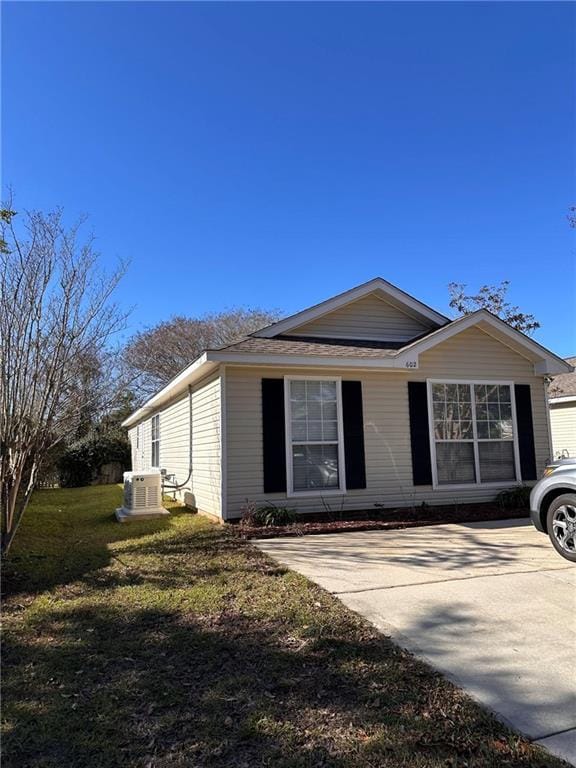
<point x="561" y="525"/>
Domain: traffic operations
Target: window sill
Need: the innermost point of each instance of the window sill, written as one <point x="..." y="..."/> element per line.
<point x="301" y="494"/>
<point x="469" y="486"/>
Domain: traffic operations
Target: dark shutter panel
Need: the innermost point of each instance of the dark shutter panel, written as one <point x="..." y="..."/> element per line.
<point x="273" y="435"/>
<point x="525" y="431"/>
<point x="353" y="424"/>
<point x="419" y="433"/>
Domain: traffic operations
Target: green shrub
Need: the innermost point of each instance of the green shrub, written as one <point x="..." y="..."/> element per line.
<point x="515" y="498"/>
<point x="80" y="463"/>
<point x="267" y="516"/>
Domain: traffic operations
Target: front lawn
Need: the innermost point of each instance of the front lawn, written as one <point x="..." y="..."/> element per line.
<point x="173" y="643"/>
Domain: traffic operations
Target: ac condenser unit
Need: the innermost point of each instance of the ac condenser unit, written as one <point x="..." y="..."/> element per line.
<point x="142" y="496"/>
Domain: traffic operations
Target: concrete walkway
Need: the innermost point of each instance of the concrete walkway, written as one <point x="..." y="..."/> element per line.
<point x="491" y="605"/>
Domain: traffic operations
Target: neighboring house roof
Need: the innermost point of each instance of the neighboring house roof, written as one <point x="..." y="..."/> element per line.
<point x="563" y="387"/>
<point x="276" y="348"/>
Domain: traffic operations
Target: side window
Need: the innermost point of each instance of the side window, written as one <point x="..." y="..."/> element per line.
<point x="155" y="458"/>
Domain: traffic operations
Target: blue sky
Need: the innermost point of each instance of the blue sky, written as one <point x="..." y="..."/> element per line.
<point x="275" y="154"/>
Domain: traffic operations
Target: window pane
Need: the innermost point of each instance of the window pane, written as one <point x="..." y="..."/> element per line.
<point x="438" y="392"/>
<point x="480" y="390"/>
<point x="497" y="461"/>
<point x="439" y="410"/>
<point x="455" y="463"/>
<point x="492" y="393"/>
<point x="329" y="410"/>
<point x="298" y="390"/>
<point x="313" y="390"/>
<point x="495" y="430"/>
<point x="504" y="392"/>
<point x="452" y="392"/>
<point x="298" y="410"/>
<point x="314" y="430"/>
<point x="330" y="430"/>
<point x="481" y="411"/>
<point x="464" y="393"/>
<point x="493" y="411"/>
<point x="328" y="390"/>
<point x="482" y="430"/>
<point x="315" y="467"/>
<point x="299" y="431"/>
<point x="314" y="410"/>
<point x="505" y="411"/>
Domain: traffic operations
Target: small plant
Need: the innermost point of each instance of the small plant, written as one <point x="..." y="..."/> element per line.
<point x="266" y="516"/>
<point x="330" y="513"/>
<point x="515" y="498"/>
<point x="248" y="513"/>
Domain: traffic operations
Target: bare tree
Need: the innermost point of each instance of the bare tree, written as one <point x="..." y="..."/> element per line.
<point x="492" y="298"/>
<point x="157" y="354"/>
<point x="56" y="322"/>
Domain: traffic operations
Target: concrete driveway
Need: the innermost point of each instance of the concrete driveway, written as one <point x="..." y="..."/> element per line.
<point x="491" y="605"/>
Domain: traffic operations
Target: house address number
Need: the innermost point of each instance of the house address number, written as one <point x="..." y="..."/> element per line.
<point x="411" y="364"/>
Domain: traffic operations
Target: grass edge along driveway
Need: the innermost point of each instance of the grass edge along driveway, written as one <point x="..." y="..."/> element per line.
<point x="172" y="643"/>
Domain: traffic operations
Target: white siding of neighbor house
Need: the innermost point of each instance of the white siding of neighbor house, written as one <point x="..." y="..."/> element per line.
<point x="470" y="355"/>
<point x="204" y="489"/>
<point x="563" y="424"/>
<point x="366" y="318"/>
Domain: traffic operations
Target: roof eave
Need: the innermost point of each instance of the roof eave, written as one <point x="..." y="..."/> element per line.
<point x="193" y="373"/>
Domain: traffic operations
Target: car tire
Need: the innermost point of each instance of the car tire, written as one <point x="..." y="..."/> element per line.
<point x="561" y="525"/>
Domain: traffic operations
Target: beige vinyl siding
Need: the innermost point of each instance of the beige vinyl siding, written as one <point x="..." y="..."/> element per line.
<point x="205" y="485"/>
<point x="206" y="447"/>
<point x="469" y="355"/>
<point x="366" y="318"/>
<point x="563" y="424"/>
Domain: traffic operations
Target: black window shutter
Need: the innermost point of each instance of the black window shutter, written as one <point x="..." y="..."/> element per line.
<point x="353" y="424"/>
<point x="419" y="433"/>
<point x="273" y="435"/>
<point x="525" y="431"/>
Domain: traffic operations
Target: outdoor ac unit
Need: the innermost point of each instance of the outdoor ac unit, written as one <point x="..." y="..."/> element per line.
<point x="142" y="496"/>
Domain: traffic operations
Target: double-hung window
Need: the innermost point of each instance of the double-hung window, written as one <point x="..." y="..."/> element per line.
<point x="473" y="433"/>
<point x="314" y="443"/>
<point x="155" y="427"/>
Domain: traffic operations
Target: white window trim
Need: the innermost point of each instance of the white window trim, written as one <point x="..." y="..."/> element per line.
<point x="341" y="490"/>
<point x="474" y="440"/>
<point x="152" y="441"/>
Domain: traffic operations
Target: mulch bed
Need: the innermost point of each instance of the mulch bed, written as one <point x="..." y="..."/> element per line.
<point x="389" y="519"/>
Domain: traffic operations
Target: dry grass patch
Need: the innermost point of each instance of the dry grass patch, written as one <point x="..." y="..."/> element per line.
<point x="173" y="643"/>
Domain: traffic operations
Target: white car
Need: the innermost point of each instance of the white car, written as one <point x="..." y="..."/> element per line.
<point x="553" y="506"/>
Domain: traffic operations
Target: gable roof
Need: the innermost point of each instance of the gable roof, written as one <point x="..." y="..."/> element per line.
<point x="382" y="288"/>
<point x="275" y="348"/>
<point x="563" y="387"/>
<point x="545" y="361"/>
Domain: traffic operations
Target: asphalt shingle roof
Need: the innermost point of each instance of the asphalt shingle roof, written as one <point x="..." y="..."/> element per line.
<point x="564" y="385"/>
<point x="284" y="345"/>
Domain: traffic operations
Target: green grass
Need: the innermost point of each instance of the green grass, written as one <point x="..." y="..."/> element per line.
<point x="172" y="643"/>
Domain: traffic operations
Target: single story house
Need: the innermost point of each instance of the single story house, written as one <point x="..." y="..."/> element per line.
<point x="370" y="397"/>
<point x="562" y="400"/>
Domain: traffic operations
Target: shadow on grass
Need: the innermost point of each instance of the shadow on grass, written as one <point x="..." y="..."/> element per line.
<point x="103" y="688"/>
<point x="194" y="649"/>
<point x="58" y="543"/>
